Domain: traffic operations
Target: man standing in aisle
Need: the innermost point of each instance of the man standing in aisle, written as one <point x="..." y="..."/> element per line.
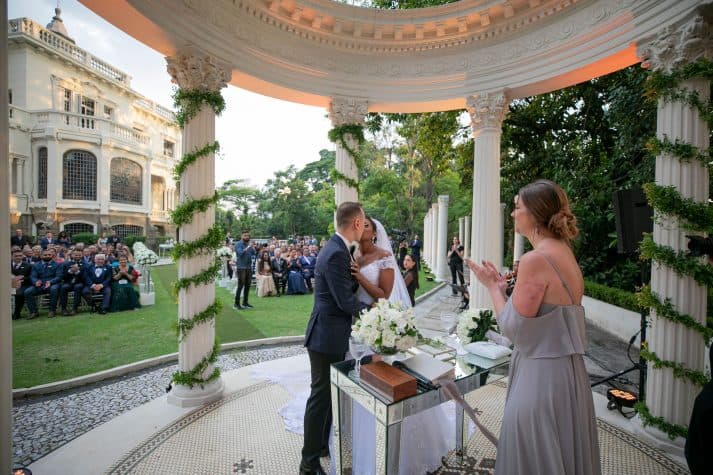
<point x="415" y="246"/>
<point x="328" y="329"/>
<point x="244" y="254"/>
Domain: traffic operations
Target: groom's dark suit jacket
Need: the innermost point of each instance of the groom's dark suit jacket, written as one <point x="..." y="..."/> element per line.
<point x="334" y="301"/>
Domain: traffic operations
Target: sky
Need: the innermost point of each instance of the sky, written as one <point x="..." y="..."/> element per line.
<point x="258" y="135"/>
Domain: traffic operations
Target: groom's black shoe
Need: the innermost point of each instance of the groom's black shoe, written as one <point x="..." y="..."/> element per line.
<point x="307" y="470"/>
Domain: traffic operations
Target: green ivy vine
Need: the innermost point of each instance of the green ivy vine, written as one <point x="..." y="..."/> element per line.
<point x="188" y="103"/>
<point x="338" y="135"/>
<point x="691" y="215"/>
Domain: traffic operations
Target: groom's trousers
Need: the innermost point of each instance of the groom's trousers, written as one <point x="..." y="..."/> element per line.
<point x="318" y="412"/>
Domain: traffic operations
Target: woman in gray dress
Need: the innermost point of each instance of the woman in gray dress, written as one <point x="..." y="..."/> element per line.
<point x="549" y="425"/>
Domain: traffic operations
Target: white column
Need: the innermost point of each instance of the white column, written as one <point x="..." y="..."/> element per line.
<point x="103" y="179"/>
<point x="346" y="110"/>
<point x="426" y="241"/>
<point x="518" y="248"/>
<point x="434" y="238"/>
<point x="461" y="229"/>
<point x="466" y="238"/>
<point x="423" y="237"/>
<point x="54" y="175"/>
<point x="20" y="176"/>
<point x="197" y="71"/>
<point x="5" y="322"/>
<point x="487" y="111"/>
<point x="146" y="188"/>
<point x="666" y="396"/>
<point x="442" y="273"/>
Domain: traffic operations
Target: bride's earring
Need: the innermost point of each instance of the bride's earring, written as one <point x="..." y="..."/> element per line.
<point x="373" y="240"/>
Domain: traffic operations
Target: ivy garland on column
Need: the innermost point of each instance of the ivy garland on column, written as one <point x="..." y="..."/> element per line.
<point x="188" y="103"/>
<point x="692" y="216"/>
<point x="338" y="135"/>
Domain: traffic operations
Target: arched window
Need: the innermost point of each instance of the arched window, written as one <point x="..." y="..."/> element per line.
<point x="126" y="181"/>
<point x="74" y="228"/>
<point x="79" y="176"/>
<point x="42" y="173"/>
<point x="124" y="230"/>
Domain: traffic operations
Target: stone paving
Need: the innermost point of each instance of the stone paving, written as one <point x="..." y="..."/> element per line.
<point x="44" y="423"/>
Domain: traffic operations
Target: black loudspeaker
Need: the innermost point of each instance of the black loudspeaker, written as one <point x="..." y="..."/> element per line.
<point x="633" y="217"/>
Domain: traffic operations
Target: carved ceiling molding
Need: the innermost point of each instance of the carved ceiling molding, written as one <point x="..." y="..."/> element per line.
<point x="678" y="45"/>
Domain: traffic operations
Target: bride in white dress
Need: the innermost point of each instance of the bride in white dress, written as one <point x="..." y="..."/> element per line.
<point x="427" y="436"/>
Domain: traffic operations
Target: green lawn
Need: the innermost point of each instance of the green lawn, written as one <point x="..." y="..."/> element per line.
<point x="47" y="350"/>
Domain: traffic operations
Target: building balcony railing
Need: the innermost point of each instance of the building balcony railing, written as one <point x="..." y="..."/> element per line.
<point x="160" y="215"/>
<point x="156" y="108"/>
<point x="55" y="42"/>
<point x="78" y="122"/>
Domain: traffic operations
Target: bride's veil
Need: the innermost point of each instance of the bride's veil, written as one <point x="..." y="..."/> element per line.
<point x="399" y="293"/>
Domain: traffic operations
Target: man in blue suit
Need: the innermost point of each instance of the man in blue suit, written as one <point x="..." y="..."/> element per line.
<point x="327" y="336"/>
<point x="46" y="278"/>
<point x="47" y="240"/>
<point x="97" y="280"/>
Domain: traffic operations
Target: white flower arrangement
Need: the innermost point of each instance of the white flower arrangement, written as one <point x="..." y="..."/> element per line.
<point x="474" y="323"/>
<point x="387" y="328"/>
<point x="224" y="252"/>
<point x="143" y="255"/>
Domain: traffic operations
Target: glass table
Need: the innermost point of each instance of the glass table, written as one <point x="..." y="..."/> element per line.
<point x="470" y="372"/>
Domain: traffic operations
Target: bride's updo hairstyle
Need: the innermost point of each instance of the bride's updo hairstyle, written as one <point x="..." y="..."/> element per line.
<point x="549" y="206"/>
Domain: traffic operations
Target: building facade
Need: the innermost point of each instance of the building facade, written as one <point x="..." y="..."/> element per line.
<point x="87" y="152"/>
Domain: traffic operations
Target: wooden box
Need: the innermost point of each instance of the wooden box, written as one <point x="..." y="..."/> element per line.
<point x="387" y="380"/>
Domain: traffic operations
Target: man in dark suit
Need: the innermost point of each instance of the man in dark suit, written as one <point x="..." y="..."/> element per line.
<point x="46" y="278"/>
<point x="20" y="270"/>
<point x="278" y="264"/>
<point x="72" y="281"/>
<point x="47" y="240"/>
<point x="19" y="239"/>
<point x="327" y="336"/>
<point x="97" y="280"/>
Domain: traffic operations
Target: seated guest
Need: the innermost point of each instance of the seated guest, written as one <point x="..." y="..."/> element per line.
<point x="46" y="278"/>
<point x="63" y="239"/>
<point x="295" y="279"/>
<point x="87" y="256"/>
<point x="36" y="254"/>
<point x="263" y="277"/>
<point x="114" y="239"/>
<point x="97" y="281"/>
<point x="47" y="240"/>
<point x="308" y="261"/>
<point x="123" y="294"/>
<point x="279" y="272"/>
<point x="20" y="270"/>
<point x="411" y="278"/>
<point x="57" y="256"/>
<point x="72" y="281"/>
<point x="27" y="254"/>
<point x="19" y="239"/>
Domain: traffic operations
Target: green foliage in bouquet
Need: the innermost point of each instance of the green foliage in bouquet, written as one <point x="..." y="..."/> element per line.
<point x="474" y="324"/>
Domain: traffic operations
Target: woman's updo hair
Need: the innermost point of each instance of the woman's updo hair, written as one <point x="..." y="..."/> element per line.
<point x="549" y="206"/>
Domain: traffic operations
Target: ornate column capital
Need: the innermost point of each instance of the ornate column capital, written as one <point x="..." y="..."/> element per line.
<point x="347" y="110"/>
<point x="677" y="45"/>
<point x="487" y="109"/>
<point x="197" y="71"/>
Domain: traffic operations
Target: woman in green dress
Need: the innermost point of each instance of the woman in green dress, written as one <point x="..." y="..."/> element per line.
<point x="123" y="294"/>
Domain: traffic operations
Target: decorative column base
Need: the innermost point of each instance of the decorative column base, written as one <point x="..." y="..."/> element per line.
<point x="147" y="298"/>
<point x="659" y="439"/>
<point x="183" y="396"/>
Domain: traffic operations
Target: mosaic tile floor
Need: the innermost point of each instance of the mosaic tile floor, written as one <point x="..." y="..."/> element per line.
<point x="244" y="434"/>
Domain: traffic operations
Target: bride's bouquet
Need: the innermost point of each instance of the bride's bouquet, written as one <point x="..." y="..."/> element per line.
<point x="387" y="328"/>
<point x="473" y="324"/>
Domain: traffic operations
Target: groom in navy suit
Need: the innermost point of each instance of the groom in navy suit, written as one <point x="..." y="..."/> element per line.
<point x="327" y="336"/>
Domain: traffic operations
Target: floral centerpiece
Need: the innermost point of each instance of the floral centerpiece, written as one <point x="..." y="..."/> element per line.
<point x="473" y="324"/>
<point x="387" y="328"/>
<point x="145" y="257"/>
<point x="224" y="254"/>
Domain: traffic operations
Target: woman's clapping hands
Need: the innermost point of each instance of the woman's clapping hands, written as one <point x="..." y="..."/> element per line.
<point x="487" y="274"/>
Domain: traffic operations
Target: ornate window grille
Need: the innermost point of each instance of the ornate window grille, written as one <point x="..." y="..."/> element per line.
<point x="74" y="228"/>
<point x="126" y="181"/>
<point x="42" y="173"/>
<point x="124" y="230"/>
<point x="79" y="176"/>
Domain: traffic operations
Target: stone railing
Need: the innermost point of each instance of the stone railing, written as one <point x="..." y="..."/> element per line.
<point x="159" y="215"/>
<point x="55" y="42"/>
<point x="157" y="109"/>
<point x="88" y="124"/>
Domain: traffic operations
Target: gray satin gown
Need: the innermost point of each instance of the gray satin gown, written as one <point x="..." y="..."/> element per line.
<point x="549" y="425"/>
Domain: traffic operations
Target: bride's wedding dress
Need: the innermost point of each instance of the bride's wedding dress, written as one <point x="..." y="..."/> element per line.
<point x="426" y="436"/>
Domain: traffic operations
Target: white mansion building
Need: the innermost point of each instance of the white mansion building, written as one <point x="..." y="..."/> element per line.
<point x="87" y="152"/>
